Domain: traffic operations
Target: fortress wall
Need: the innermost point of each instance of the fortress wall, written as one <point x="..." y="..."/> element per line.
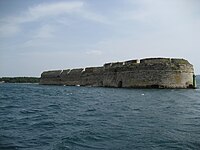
<point x="91" y="80"/>
<point x="177" y="79"/>
<point x="155" y="60"/>
<point x="144" y="66"/>
<point x="92" y="76"/>
<point x="155" y="79"/>
<point x="150" y="73"/>
<point x="89" y="70"/>
<point x="93" y="70"/>
<point x="51" y="74"/>
<point x="72" y="77"/>
<point x="179" y="61"/>
<point x="51" y="77"/>
<point x="98" y="69"/>
<point x="109" y="79"/>
<point x="186" y="68"/>
<point x="107" y="65"/>
<point x="65" y="73"/>
<point x="139" y="78"/>
<point x="131" y="62"/>
<point x="64" y="76"/>
<point x="117" y="64"/>
<point x="163" y="75"/>
<point x="76" y="71"/>
<point x="133" y="78"/>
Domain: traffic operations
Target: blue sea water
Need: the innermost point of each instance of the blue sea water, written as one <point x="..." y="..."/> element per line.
<point x="36" y="117"/>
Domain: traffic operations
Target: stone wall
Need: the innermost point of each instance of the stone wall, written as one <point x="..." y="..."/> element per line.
<point x="144" y="73"/>
<point x="71" y="77"/>
<point x="51" y="77"/>
<point x="92" y="76"/>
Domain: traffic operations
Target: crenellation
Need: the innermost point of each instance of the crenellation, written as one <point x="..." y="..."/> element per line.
<point x="76" y="71"/>
<point x="117" y="64"/>
<point x="65" y="72"/>
<point x="51" y="74"/>
<point x="89" y="70"/>
<point x="98" y="70"/>
<point x="107" y="65"/>
<point x="179" y="61"/>
<point x="51" y="77"/>
<point x="155" y="60"/>
<point x="131" y="62"/>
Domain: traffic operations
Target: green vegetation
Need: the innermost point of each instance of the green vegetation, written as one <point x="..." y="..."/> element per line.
<point x="20" y="79"/>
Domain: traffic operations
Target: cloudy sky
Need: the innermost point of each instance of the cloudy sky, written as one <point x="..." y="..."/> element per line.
<point x="38" y="35"/>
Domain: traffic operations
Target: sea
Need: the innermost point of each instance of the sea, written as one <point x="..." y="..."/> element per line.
<point x="39" y="117"/>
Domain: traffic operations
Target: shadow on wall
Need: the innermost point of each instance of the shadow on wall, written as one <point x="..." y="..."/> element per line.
<point x="119" y="84"/>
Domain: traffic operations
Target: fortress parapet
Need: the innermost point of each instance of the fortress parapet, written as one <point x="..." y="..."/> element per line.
<point x="144" y="73"/>
<point x="155" y="60"/>
<point x="107" y="65"/>
<point x="117" y="64"/>
<point x="131" y="62"/>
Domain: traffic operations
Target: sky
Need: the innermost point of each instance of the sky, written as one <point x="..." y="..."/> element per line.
<point x="38" y="35"/>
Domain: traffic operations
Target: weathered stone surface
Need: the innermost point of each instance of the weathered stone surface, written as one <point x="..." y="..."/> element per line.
<point x="71" y="77"/>
<point x="50" y="77"/>
<point x="131" y="62"/>
<point x="92" y="76"/>
<point x="155" y="60"/>
<point x="117" y="64"/>
<point x="144" y="73"/>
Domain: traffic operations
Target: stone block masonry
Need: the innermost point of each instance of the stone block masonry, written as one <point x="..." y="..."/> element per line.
<point x="144" y="73"/>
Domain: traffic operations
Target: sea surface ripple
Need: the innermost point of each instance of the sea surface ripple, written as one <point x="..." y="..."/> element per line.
<point x="36" y="117"/>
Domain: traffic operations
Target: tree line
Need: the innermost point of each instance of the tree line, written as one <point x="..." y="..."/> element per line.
<point x="20" y="79"/>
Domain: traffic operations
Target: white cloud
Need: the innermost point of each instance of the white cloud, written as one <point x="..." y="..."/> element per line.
<point x="154" y="11"/>
<point x="53" y="9"/>
<point x="94" y="52"/>
<point x="46" y="31"/>
<point x="7" y="30"/>
<point x="42" y="11"/>
<point x="94" y="17"/>
<point x="46" y="12"/>
<point x="143" y="28"/>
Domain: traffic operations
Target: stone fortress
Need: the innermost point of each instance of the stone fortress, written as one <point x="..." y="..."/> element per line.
<point x="144" y="73"/>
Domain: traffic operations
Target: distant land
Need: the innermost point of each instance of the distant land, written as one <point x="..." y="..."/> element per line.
<point x="19" y="80"/>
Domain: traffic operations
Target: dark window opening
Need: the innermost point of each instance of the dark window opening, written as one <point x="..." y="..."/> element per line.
<point x="190" y="86"/>
<point x="120" y="84"/>
<point x="101" y="83"/>
<point x="155" y="86"/>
